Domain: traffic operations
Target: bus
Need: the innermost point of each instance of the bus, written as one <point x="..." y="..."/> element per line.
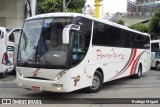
<point x="155" y="54"/>
<point x="7" y="47"/>
<point x="64" y="52"/>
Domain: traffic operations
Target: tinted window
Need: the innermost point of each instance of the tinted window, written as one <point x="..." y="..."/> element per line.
<point x="139" y="41"/>
<point x="107" y="35"/>
<point x="146" y="43"/>
<point x="155" y="47"/>
<point x="85" y="28"/>
<point x="11" y="37"/>
<point x="78" y="47"/>
<point x="114" y="37"/>
<point x="100" y="34"/>
<point x="81" y="39"/>
<point x="125" y="36"/>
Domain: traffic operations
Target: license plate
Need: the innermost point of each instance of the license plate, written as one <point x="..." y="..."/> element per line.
<point x="35" y="88"/>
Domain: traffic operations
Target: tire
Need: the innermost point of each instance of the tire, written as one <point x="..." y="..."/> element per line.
<point x="13" y="72"/>
<point x="158" y="66"/>
<point x="97" y="83"/>
<point x="139" y="73"/>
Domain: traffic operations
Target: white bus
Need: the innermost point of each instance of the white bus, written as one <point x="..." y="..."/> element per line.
<point x="63" y="52"/>
<point x="7" y="45"/>
<point x="155" y="54"/>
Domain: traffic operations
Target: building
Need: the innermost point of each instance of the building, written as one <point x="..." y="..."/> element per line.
<point x="143" y="1"/>
<point x="14" y="12"/>
<point x="142" y="7"/>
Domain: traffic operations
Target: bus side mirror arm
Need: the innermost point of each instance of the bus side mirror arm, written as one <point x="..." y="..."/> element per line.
<point x="66" y="32"/>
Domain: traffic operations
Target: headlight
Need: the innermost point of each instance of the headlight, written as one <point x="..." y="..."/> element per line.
<point x="59" y="75"/>
<point x="19" y="72"/>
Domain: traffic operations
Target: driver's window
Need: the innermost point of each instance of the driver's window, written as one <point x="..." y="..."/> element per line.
<point x="78" y="42"/>
<point x="78" y="47"/>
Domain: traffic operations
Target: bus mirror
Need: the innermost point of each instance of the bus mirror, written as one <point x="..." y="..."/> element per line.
<point x="66" y="31"/>
<point x="75" y="27"/>
<point x="65" y="35"/>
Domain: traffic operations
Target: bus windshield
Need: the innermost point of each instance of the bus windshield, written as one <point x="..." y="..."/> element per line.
<point x="41" y="42"/>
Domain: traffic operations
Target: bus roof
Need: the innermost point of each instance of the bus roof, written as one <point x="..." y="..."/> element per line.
<point x="155" y="41"/>
<point x="66" y="14"/>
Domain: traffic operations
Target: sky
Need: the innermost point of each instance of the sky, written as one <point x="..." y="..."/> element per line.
<point x="111" y="6"/>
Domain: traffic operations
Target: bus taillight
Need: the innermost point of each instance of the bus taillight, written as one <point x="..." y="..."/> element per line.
<point x="4" y="58"/>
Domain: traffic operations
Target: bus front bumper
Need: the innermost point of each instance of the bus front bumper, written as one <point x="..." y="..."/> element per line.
<point x="42" y="85"/>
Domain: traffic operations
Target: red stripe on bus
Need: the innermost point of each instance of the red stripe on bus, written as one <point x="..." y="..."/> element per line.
<point x="133" y="57"/>
<point x="134" y="54"/>
<point x="131" y="72"/>
<point x="36" y="72"/>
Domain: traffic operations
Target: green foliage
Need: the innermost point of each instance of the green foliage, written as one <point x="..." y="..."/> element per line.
<point x="47" y="6"/>
<point x="121" y="22"/>
<point x="140" y="27"/>
<point x="154" y="24"/>
<point x="75" y="6"/>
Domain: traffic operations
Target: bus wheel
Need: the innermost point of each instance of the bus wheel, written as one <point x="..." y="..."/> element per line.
<point x="139" y="73"/>
<point x="158" y="66"/>
<point x="97" y="83"/>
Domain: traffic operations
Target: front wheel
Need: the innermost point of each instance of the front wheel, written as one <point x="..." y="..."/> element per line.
<point x="97" y="83"/>
<point x="158" y="66"/>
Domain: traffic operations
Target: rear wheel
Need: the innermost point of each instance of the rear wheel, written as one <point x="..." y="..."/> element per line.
<point x="13" y="72"/>
<point x="97" y="83"/>
<point x="139" y="73"/>
<point x="158" y="66"/>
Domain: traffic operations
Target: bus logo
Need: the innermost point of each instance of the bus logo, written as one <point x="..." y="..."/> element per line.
<point x="36" y="72"/>
<point x="10" y="55"/>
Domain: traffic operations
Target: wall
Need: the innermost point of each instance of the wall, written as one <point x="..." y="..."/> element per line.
<point x="12" y="13"/>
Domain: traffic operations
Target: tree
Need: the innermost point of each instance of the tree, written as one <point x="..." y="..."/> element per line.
<point x="154" y="24"/>
<point x="75" y="6"/>
<point x="121" y="22"/>
<point x="140" y="27"/>
<point x="47" y="6"/>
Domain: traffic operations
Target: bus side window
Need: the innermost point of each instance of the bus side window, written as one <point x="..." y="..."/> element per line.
<point x="11" y="37"/>
<point x="154" y="47"/>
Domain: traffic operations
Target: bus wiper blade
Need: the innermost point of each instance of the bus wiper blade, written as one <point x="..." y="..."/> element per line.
<point x="26" y="62"/>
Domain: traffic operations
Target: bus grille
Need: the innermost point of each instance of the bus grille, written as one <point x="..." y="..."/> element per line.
<point x="37" y="78"/>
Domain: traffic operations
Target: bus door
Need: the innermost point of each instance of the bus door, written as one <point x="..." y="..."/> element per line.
<point x="11" y="41"/>
<point x="155" y="53"/>
<point x="2" y="45"/>
<point x="10" y="46"/>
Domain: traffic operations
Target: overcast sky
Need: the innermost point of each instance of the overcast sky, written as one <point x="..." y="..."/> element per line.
<point x="112" y="6"/>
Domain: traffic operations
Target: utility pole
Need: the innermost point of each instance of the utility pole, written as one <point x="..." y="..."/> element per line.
<point x="97" y="8"/>
<point x="64" y="5"/>
<point x="33" y="7"/>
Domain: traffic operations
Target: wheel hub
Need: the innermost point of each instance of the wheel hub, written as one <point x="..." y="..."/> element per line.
<point x="95" y="82"/>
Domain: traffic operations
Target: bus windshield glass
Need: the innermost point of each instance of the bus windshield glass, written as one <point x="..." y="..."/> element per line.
<point x="41" y="42"/>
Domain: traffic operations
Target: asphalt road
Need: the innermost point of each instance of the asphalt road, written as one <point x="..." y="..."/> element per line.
<point x="148" y="86"/>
